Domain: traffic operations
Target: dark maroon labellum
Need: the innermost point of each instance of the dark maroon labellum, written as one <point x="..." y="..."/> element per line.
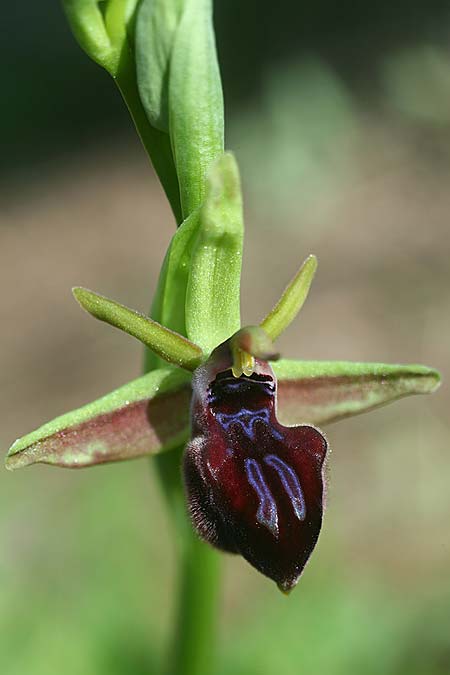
<point x="254" y="487"/>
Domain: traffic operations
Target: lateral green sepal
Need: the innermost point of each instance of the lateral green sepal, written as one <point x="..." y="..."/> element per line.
<point x="145" y="416"/>
<point x="319" y="392"/>
<point x="167" y="344"/>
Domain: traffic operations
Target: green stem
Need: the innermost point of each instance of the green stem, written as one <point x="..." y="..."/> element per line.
<point x="155" y="142"/>
<point x="193" y="642"/>
<point x="194" y="645"/>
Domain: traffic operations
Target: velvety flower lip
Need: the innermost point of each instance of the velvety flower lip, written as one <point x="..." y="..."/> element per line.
<point x="254" y="486"/>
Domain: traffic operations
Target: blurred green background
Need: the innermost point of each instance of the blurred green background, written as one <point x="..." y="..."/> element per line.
<point x="340" y="119"/>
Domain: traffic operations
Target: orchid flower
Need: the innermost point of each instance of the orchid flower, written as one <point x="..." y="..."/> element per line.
<point x="254" y="459"/>
<point x="214" y="391"/>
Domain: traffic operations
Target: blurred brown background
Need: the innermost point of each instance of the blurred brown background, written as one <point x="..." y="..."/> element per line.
<point x="341" y="125"/>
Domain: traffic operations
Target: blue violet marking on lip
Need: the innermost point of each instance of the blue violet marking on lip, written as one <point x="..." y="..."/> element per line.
<point x="253" y="486"/>
<point x="291" y="484"/>
<point x="266" y="514"/>
<point x="246" y="419"/>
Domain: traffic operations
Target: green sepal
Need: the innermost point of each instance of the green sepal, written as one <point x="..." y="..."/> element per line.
<point x="196" y="115"/>
<point x="319" y="392"/>
<point x="156" y="25"/>
<point x="167" y="344"/>
<point x="292" y="300"/>
<point x="213" y="292"/>
<point x="145" y="416"/>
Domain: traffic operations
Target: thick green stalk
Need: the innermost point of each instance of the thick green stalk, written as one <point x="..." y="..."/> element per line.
<point x="192" y="645"/>
<point x="196" y="133"/>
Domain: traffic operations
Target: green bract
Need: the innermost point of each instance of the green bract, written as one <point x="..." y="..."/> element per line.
<point x="213" y="292"/>
<point x="198" y="291"/>
<point x="180" y="89"/>
<point x="156" y="25"/>
<point x="196" y="117"/>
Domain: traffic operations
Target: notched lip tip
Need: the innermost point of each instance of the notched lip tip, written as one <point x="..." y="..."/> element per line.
<point x="286" y="587"/>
